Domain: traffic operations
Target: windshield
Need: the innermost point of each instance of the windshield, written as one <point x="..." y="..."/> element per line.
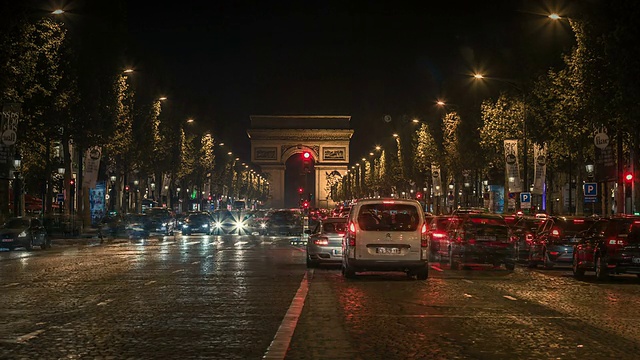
<point x="388" y="217"/>
<point x="334" y="227"/>
<point x="16" y="224"/>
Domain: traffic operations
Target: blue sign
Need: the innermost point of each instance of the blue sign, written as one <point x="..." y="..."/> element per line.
<point x="525" y="197"/>
<point x="60" y="197"/>
<point x="590" y="189"/>
<point x="590" y="199"/>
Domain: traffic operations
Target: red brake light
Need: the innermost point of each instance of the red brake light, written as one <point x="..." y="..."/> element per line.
<point x="528" y="237"/>
<point x="438" y="235"/>
<point x="321" y="242"/>
<point x="578" y="221"/>
<point x="555" y="232"/>
<point x="423" y="236"/>
<point x="352" y="234"/>
<point x="388" y="202"/>
<point x="424" y="228"/>
<point x="352" y="227"/>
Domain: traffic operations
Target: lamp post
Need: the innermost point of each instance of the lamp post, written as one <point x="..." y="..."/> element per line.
<point x="17" y="186"/>
<point x="136" y="190"/>
<point x="589" y="168"/>
<point x="113" y="192"/>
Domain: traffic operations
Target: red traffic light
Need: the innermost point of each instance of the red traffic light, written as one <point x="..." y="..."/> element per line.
<point x="126" y="188"/>
<point x="72" y="182"/>
<point x="305" y="204"/>
<point x="306" y="155"/>
<point x="418" y="195"/>
<point x="300" y="190"/>
<point x="628" y="177"/>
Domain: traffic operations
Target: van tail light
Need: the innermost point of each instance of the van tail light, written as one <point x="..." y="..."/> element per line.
<point x="555" y="232"/>
<point x="423" y="236"/>
<point x="438" y="235"/>
<point x="352" y="234"/>
<point x="322" y="241"/>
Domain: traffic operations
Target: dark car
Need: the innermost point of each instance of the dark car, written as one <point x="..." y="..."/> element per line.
<point x="609" y="246"/>
<point x="24" y="232"/>
<point x="112" y="226"/>
<point x="137" y="226"/>
<point x="284" y="222"/>
<point x="198" y="223"/>
<point x="437" y="236"/>
<point x="481" y="239"/>
<point x="256" y="223"/>
<point x="160" y="220"/>
<point x="554" y="241"/>
<point x="224" y="222"/>
<point x="524" y="229"/>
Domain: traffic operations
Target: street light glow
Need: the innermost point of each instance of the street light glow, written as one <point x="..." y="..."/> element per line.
<point x="190" y="121"/>
<point x="415" y="121"/>
<point x="229" y="153"/>
<point x="128" y="71"/>
<point x="57" y="12"/>
<point x="478" y="76"/>
<point x="441" y="103"/>
<point x="221" y="144"/>
<point x="378" y="147"/>
<point x="555" y="16"/>
<point x="162" y="98"/>
<point x="395" y="135"/>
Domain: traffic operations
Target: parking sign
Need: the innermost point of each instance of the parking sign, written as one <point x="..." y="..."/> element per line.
<point x="525" y="200"/>
<point x="590" y="189"/>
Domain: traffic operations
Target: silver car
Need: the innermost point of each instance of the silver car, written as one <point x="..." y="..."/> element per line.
<point x="325" y="242"/>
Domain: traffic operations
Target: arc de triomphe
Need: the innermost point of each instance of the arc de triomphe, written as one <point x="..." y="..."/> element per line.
<point x="274" y="139"/>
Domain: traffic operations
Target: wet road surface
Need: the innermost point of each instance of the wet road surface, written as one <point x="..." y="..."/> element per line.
<point x="249" y="297"/>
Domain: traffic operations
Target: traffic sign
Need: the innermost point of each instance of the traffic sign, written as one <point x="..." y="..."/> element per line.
<point x="590" y="189"/>
<point x="590" y="199"/>
<point x="60" y="197"/>
<point x="525" y="200"/>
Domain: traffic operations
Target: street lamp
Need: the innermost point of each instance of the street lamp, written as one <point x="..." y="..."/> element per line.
<point x="57" y="12"/>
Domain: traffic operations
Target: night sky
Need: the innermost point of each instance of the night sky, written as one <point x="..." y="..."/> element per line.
<point x="226" y="60"/>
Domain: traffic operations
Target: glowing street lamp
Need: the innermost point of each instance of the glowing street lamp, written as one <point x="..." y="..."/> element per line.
<point x="478" y="76"/>
<point x="128" y="71"/>
<point x="57" y="12"/>
<point x="162" y="98"/>
<point x="554" y="16"/>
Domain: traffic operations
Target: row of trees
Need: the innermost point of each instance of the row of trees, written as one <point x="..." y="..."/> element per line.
<point x="69" y="79"/>
<point x="595" y="88"/>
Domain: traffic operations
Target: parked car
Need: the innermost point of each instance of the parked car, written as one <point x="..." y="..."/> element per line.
<point x="197" y="223"/>
<point x="554" y="241"/>
<point x="284" y="222"/>
<point x="609" y="246"/>
<point x="386" y="235"/>
<point x="160" y="220"/>
<point x="324" y="245"/>
<point x="24" y="232"/>
<point x="478" y="238"/>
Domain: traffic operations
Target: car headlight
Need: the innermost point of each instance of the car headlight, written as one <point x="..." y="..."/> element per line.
<point x="23" y="234"/>
<point x="205" y="225"/>
<point x="185" y="226"/>
<point x="263" y="225"/>
<point x="239" y="225"/>
<point x="217" y="225"/>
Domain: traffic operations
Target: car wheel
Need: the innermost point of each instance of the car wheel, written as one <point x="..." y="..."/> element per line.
<point x="348" y="272"/>
<point x="602" y="272"/>
<point x="311" y="264"/>
<point x="29" y="245"/>
<point x="46" y="244"/>
<point x="578" y="272"/>
<point x="510" y="266"/>
<point x="453" y="264"/>
<point x="546" y="261"/>
<point x="422" y="274"/>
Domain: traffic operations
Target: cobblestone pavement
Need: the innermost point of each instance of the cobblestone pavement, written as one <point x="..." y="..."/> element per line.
<point x="192" y="297"/>
<point x="226" y="297"/>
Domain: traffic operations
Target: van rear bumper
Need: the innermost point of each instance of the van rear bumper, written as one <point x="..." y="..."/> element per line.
<point x="386" y="265"/>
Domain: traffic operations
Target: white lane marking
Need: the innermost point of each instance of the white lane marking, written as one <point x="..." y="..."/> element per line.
<point x="209" y="256"/>
<point x="240" y="243"/>
<point x="510" y="298"/>
<point x="195" y="263"/>
<point x="192" y="243"/>
<point x="105" y="302"/>
<point x="467" y="281"/>
<point x="468" y="296"/>
<point x="9" y="285"/>
<point x="177" y="271"/>
<point x="29" y="336"/>
<point x="282" y="339"/>
<point x="150" y="282"/>
<point x="436" y="268"/>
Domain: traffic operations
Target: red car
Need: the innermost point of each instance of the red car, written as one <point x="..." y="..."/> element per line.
<point x="610" y="246"/>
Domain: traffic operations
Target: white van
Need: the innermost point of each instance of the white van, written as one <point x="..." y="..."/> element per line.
<point x="386" y="235"/>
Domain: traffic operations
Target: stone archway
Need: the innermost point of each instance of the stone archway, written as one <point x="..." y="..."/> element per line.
<point x="274" y="139"/>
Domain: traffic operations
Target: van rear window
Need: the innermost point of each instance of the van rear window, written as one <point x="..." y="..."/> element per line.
<point x="388" y="217"/>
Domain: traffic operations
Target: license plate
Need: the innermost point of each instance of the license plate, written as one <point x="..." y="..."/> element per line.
<point x="337" y="252"/>
<point x="486" y="238"/>
<point x="636" y="260"/>
<point x="7" y="240"/>
<point x="384" y="250"/>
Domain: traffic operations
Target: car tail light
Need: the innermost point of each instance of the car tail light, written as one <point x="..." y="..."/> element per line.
<point x="471" y="241"/>
<point x="423" y="236"/>
<point x="555" y="232"/>
<point x="388" y="202"/>
<point x="438" y="235"/>
<point x="321" y="242"/>
<point x="554" y="253"/>
<point x="528" y="237"/>
<point x="578" y="221"/>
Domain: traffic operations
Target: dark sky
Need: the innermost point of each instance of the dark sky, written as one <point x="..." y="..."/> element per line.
<point x="226" y="60"/>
